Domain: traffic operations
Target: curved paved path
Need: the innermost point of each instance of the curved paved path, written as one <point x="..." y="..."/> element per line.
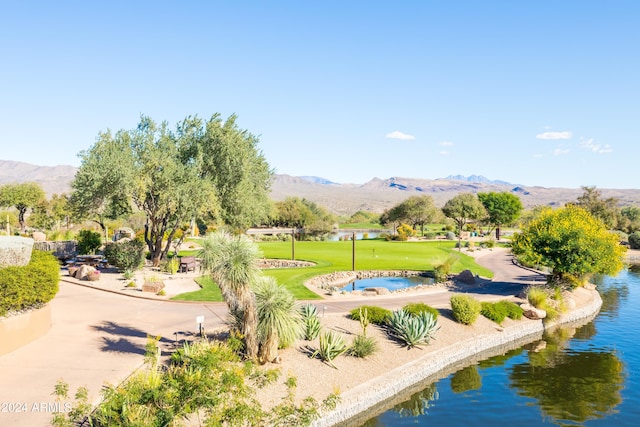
<point x="100" y="336"/>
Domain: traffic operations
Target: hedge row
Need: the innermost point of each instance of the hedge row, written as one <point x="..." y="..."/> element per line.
<point x="31" y="285"/>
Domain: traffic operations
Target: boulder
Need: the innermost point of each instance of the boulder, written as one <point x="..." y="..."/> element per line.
<point x="38" y="236"/>
<point x="466" y="277"/>
<point x="530" y="312"/>
<point x="378" y="290"/>
<point x="83" y="272"/>
<point x="15" y="251"/>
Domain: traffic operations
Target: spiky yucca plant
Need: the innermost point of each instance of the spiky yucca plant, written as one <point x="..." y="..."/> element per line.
<point x="331" y="346"/>
<point x="412" y="330"/>
<point x="311" y="321"/>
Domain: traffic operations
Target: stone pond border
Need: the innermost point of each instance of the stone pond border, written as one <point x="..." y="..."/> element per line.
<point x="365" y="396"/>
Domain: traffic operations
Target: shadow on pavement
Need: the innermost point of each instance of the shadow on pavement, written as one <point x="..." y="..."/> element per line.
<point x="126" y="339"/>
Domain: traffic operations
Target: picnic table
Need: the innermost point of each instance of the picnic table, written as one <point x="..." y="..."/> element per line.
<point x="92" y="260"/>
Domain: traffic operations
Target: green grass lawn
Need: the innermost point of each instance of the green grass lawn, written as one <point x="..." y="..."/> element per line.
<point x="337" y="256"/>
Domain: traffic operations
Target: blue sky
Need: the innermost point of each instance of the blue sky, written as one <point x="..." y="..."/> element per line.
<point x="532" y="92"/>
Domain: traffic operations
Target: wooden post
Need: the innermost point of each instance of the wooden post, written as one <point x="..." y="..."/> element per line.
<point x="353" y="252"/>
<point x="293" y="244"/>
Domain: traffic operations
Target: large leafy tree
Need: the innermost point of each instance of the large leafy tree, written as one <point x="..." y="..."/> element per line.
<point x="102" y="185"/>
<point x="572" y="243"/>
<point x="463" y="209"/>
<point x="606" y="210"/>
<point x="415" y="210"/>
<point x="230" y="158"/>
<point x="22" y="196"/>
<point x="294" y="212"/>
<point x="503" y="208"/>
<point x="143" y="168"/>
<point x="629" y="219"/>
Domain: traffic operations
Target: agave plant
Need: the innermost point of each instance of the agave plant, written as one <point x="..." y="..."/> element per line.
<point x="331" y="346"/>
<point x="311" y="321"/>
<point x="413" y="330"/>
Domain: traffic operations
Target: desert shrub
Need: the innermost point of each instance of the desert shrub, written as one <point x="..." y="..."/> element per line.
<point x="450" y="235"/>
<point x="489" y="243"/>
<point x="441" y="272"/>
<point x="32" y="285"/>
<point x="405" y="231"/>
<point x="125" y="254"/>
<point x="415" y="308"/>
<point x="310" y="322"/>
<point x="466" y="309"/>
<point x="171" y="265"/>
<point x="430" y="235"/>
<point x="412" y="330"/>
<point x="88" y="242"/>
<point x="363" y="346"/>
<point x="513" y="310"/>
<point x="376" y="315"/>
<point x="493" y="311"/>
<point x="331" y="346"/>
<point x="634" y="240"/>
<point x="365" y="236"/>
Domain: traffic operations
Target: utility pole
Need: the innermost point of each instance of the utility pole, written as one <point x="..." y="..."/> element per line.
<point x="353" y="251"/>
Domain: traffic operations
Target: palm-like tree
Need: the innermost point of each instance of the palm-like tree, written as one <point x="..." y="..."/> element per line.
<point x="232" y="263"/>
<point x="279" y="321"/>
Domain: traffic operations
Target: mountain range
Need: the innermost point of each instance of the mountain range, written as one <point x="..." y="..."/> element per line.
<point x="345" y="199"/>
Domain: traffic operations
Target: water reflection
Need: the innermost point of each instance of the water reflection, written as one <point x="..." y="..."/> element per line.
<point x="572" y="376"/>
<point x="466" y="379"/>
<point x="570" y="386"/>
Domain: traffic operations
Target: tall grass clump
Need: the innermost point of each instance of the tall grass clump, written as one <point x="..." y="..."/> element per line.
<point x="466" y="309"/>
<point x="363" y="345"/>
<point x="376" y="315"/>
<point x="544" y="299"/>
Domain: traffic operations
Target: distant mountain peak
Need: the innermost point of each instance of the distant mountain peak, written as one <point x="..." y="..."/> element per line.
<point x="317" y="180"/>
<point x="476" y="178"/>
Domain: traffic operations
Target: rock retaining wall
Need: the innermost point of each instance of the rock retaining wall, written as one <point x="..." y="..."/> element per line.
<point x="284" y="263"/>
<point x="380" y="389"/>
<point x="341" y="278"/>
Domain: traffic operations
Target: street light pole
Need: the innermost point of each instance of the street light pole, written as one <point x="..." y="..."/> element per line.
<point x="353" y="252"/>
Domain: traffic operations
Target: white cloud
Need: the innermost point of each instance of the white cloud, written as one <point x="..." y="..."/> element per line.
<point x="399" y="135"/>
<point x="554" y="135"/>
<point x="446" y="143"/>
<point x="444" y="153"/>
<point x="538" y="156"/>
<point x="589" y="144"/>
<point x="560" y="151"/>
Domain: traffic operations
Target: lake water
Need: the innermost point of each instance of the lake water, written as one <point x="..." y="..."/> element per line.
<point x="391" y="283"/>
<point x="588" y="376"/>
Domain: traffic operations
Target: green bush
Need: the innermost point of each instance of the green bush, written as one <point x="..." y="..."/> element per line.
<point x="450" y="236"/>
<point x="493" y="311"/>
<point x="31" y="285"/>
<point x="466" y="309"/>
<point x="634" y="240"/>
<point x="125" y="254"/>
<point x="376" y="315"/>
<point x="88" y="242"/>
<point x="512" y="309"/>
<point x="441" y="272"/>
<point x="415" y="308"/>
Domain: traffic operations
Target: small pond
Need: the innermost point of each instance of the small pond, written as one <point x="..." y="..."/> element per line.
<point x="346" y="235"/>
<point x="391" y="283"/>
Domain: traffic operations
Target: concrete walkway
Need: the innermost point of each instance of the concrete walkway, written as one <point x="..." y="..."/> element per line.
<point x="99" y="337"/>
